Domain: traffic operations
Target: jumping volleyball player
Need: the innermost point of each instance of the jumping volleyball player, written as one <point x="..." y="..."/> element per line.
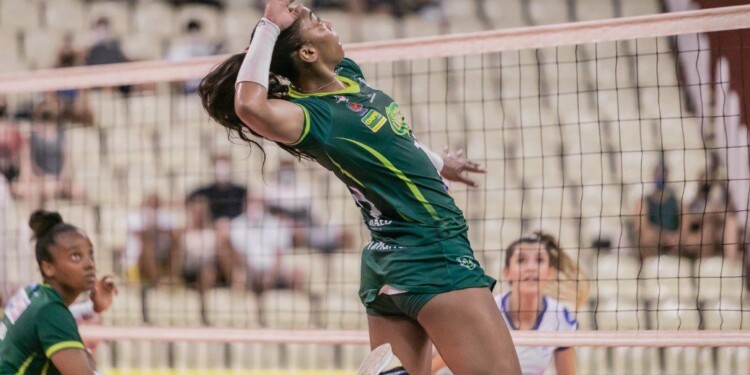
<point x="530" y="264"/>
<point x="418" y="272"/>
<point x="38" y="334"/>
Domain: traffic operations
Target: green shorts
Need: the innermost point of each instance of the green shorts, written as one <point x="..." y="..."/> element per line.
<point x="422" y="271"/>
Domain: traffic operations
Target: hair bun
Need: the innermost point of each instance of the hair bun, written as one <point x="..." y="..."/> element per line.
<point x="42" y="221"/>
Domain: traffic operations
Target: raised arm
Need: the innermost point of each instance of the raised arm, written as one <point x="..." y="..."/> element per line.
<point x="277" y="120"/>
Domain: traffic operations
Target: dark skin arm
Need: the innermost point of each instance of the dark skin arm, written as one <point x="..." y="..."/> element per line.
<point x="73" y="361"/>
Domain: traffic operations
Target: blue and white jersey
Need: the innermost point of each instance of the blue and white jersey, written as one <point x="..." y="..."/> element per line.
<point x="553" y="316"/>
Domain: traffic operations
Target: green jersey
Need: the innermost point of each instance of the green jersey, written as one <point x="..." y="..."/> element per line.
<point x="360" y="135"/>
<point x="36" y="325"/>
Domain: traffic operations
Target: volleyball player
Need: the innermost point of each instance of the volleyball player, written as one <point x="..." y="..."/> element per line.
<point x="418" y="271"/>
<point x="530" y="264"/>
<point x="38" y="334"/>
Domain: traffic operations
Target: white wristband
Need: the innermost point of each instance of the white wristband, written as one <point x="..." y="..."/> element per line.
<point x="436" y="160"/>
<point x="257" y="61"/>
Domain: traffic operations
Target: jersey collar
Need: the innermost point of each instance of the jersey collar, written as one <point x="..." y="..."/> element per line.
<point x="504" y="308"/>
<point x="351" y="88"/>
<point x="53" y="292"/>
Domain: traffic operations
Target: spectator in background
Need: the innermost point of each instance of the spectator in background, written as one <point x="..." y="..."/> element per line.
<point x="10" y="145"/>
<point x="262" y="239"/>
<point x="73" y="106"/>
<point x="151" y="249"/>
<point x="709" y="225"/>
<point x="199" y="244"/>
<point x="224" y="196"/>
<point x="151" y="244"/>
<point x="658" y="225"/>
<point x="292" y="199"/>
<point x="105" y="48"/>
<point x="46" y="171"/>
<point x="193" y="43"/>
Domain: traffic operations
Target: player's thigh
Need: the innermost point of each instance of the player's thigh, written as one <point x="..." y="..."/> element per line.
<point x="469" y="332"/>
<point x="407" y="338"/>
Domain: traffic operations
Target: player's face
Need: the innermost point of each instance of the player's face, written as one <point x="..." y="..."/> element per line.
<point x="73" y="264"/>
<point x="529" y="268"/>
<point x="320" y="34"/>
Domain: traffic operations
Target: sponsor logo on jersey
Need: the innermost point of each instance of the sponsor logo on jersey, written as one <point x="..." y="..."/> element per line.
<point x="377" y="245"/>
<point x="374" y="120"/>
<point x="467" y="263"/>
<point x="17" y="305"/>
<point x="356" y="107"/>
<point x="397" y="120"/>
<point x="341" y="99"/>
<point x="378" y="222"/>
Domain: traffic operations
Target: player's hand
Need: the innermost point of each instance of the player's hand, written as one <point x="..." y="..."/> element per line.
<point x="280" y="13"/>
<point x="455" y="164"/>
<point x="103" y="293"/>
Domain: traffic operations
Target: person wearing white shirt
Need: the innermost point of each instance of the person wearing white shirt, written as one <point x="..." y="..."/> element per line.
<point x="263" y="239"/>
<point x="534" y="266"/>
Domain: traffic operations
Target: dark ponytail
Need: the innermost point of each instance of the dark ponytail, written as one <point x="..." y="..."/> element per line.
<point x="217" y="89"/>
<point x="46" y="225"/>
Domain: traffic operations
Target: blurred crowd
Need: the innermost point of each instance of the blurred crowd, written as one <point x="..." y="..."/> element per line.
<point x="231" y="237"/>
<point x="237" y="238"/>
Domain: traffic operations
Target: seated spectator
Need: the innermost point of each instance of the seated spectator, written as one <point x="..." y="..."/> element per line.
<point x="709" y="225"/>
<point x="46" y="171"/>
<point x="199" y="243"/>
<point x="10" y="145"/>
<point x="290" y="198"/>
<point x="73" y="106"/>
<point x="192" y="44"/>
<point x="105" y="48"/>
<point x="657" y="226"/>
<point x="263" y="239"/>
<point x="151" y="248"/>
<point x="224" y="196"/>
<point x="151" y="245"/>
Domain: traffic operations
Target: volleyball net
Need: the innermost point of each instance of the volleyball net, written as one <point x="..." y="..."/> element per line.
<point x="625" y="139"/>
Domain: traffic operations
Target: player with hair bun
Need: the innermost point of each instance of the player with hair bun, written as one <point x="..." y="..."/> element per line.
<point x="38" y="333"/>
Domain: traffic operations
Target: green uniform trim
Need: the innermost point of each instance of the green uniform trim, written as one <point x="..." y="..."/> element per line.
<point x="387" y="163"/>
<point x="63" y="345"/>
<point x="306" y="128"/>
<point x="25" y="365"/>
<point x="344" y="171"/>
<point x="45" y="368"/>
<point x="351" y="88"/>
